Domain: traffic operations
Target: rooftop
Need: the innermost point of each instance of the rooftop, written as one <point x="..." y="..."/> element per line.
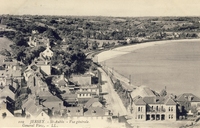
<point x="142" y="91"/>
<point x="91" y="101"/>
<point x="188" y="97"/>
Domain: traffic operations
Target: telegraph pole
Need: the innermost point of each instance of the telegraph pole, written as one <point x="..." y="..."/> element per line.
<point x="130" y="79"/>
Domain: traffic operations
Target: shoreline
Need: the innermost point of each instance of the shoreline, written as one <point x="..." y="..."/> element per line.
<point x="109" y="54"/>
<point x="106" y="55"/>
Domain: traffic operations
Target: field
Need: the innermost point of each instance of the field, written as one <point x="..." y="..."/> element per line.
<point x="4" y="44"/>
<point x="174" y="65"/>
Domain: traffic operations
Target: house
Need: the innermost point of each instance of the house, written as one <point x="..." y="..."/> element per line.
<point x="9" y="72"/>
<point x="87" y="92"/>
<point x="146" y="104"/>
<point x="186" y="101"/>
<point x="74" y="111"/>
<point x="35" y="80"/>
<point x="47" y="54"/>
<point x="29" y="72"/>
<point x="39" y="85"/>
<point x="93" y="102"/>
<point x="44" y="65"/>
<point x="70" y="99"/>
<point x="153" y="108"/>
<point x="32" y="108"/>
<point x="94" y="110"/>
<point x="34" y="31"/>
<point x="36" y="40"/>
<point x="63" y="84"/>
<point x="51" y="102"/>
<point x="142" y="91"/>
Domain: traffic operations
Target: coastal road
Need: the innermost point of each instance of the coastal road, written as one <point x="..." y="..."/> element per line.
<point x="113" y="100"/>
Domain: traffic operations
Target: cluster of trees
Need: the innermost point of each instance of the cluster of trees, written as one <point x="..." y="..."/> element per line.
<point x="75" y="29"/>
<point x="78" y="30"/>
<point x="73" y="61"/>
<point x="122" y="93"/>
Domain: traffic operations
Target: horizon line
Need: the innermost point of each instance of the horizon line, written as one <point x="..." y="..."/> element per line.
<point x="97" y="15"/>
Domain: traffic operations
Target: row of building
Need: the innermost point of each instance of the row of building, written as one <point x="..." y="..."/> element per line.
<point x="146" y="105"/>
<point x="49" y="96"/>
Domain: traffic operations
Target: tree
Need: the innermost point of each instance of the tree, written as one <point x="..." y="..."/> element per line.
<point x="117" y="84"/>
<point x="94" y="45"/>
<point x="4" y="115"/>
<point x="163" y="93"/>
<point x="5" y="52"/>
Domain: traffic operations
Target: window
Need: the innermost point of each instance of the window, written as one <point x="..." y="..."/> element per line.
<point x="83" y="94"/>
<point x="79" y="94"/>
<point x="68" y="111"/>
<point x="138" y="109"/>
<point x="141" y="109"/>
<point x="171" y="108"/>
<point x="171" y="116"/>
<point x="138" y="116"/>
<point x="141" y="116"/>
<point x="42" y="114"/>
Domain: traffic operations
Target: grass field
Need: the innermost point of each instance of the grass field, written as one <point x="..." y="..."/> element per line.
<point x="174" y="65"/>
<point x="4" y="44"/>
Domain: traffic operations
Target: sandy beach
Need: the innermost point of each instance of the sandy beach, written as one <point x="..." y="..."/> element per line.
<point x="171" y="67"/>
<point x="103" y="56"/>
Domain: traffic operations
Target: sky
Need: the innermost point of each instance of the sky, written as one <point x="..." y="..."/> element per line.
<point x="119" y="8"/>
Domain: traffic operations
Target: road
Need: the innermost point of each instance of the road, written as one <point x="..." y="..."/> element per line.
<point x="124" y="81"/>
<point x="113" y="100"/>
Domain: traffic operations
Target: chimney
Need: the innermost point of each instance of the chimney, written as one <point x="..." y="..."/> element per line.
<point x="37" y="101"/>
<point x="156" y="100"/>
<point x="30" y="38"/>
<point x="62" y="76"/>
<point x="190" y="98"/>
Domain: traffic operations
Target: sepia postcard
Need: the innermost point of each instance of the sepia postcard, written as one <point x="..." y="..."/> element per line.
<point x="100" y="64"/>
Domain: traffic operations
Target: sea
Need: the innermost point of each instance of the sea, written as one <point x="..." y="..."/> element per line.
<point x="174" y="66"/>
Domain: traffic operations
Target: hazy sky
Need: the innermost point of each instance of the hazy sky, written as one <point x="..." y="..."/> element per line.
<point x="102" y="7"/>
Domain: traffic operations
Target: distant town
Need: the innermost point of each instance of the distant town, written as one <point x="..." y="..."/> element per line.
<point x="49" y="70"/>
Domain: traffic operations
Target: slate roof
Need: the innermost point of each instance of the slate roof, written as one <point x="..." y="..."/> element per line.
<point x="51" y="102"/>
<point x="74" y="111"/>
<point x="142" y="91"/>
<point x="170" y="101"/>
<point x="96" y="111"/>
<point x="184" y="97"/>
<point x="60" y="80"/>
<point x="90" y="102"/>
<point x="149" y="100"/>
<point x="154" y="100"/>
<point x="30" y="106"/>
